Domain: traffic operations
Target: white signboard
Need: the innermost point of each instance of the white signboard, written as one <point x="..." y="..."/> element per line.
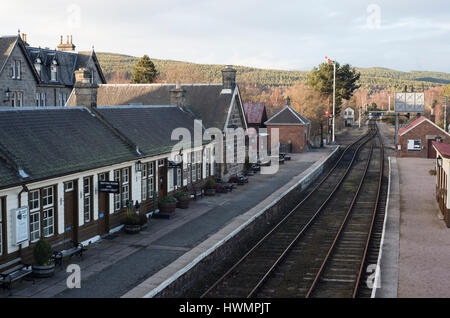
<point x="409" y="102"/>
<point x="21" y="224"/>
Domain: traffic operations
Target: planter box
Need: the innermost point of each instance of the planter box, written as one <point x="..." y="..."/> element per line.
<point x="167" y="206"/>
<point x="183" y="202"/>
<point x="132" y="229"/>
<point x="44" y="271"/>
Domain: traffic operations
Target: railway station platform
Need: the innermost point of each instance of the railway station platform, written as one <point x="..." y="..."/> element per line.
<point x="123" y="265"/>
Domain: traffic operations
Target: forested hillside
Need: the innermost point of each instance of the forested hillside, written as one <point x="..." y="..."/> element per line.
<point x="118" y="68"/>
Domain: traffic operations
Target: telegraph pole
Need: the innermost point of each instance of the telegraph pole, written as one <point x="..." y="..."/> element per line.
<point x="334" y="96"/>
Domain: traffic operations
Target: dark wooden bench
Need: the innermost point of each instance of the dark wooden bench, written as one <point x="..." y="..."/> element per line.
<point x="196" y="191"/>
<point x="67" y="251"/>
<point x="13" y="271"/>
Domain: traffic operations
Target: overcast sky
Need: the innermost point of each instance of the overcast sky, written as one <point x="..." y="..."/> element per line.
<point x="279" y="34"/>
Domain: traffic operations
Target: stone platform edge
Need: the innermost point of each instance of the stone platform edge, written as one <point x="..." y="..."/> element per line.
<point x="207" y="251"/>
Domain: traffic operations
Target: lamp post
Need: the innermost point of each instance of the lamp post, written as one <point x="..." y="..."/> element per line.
<point x="334" y="95"/>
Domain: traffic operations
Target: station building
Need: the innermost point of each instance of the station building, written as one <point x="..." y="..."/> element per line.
<point x="349" y="116"/>
<point x="52" y="160"/>
<point x="293" y="129"/>
<point x="415" y="140"/>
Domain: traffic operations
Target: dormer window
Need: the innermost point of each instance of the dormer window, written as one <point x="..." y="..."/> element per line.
<point x="54" y="71"/>
<point x="38" y="66"/>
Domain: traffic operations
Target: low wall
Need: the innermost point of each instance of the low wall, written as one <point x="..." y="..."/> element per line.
<point x="243" y="237"/>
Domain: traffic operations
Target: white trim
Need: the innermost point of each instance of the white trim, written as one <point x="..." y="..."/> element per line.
<point x="378" y="270"/>
<point x="425" y="119"/>
<point x="267" y="122"/>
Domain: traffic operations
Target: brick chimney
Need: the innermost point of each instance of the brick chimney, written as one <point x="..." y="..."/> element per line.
<point x="178" y="95"/>
<point x="68" y="46"/>
<point x="228" y="78"/>
<point x="23" y="36"/>
<point x="85" y="93"/>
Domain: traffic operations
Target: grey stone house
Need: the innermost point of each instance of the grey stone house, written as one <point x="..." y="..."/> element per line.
<point x="218" y="105"/>
<point x="34" y="76"/>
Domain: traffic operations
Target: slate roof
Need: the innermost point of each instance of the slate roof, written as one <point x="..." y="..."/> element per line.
<point x="8" y="175"/>
<point x="415" y="123"/>
<point x="287" y="116"/>
<point x="47" y="142"/>
<point x="150" y="127"/>
<point x="254" y="112"/>
<point x="7" y="44"/>
<point x="204" y="100"/>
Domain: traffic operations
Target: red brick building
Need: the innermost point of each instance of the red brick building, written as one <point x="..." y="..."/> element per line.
<point x="294" y="129"/>
<point x="415" y="140"/>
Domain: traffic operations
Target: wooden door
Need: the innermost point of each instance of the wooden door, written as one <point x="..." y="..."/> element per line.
<point x="431" y="150"/>
<point x="71" y="210"/>
<point x="103" y="207"/>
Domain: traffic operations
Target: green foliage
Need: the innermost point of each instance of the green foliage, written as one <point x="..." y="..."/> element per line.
<point x="143" y="219"/>
<point x="169" y="199"/>
<point x="42" y="252"/>
<point x="321" y="79"/>
<point x="144" y="71"/>
<point x="210" y="183"/>
<point x="181" y="194"/>
<point x="132" y="219"/>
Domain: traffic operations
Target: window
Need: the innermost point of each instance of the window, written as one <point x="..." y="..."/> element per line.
<point x="144" y="182"/>
<point x="48" y="220"/>
<point x="147" y="180"/>
<point x="161" y="163"/>
<point x="121" y="199"/>
<point x="414" y="145"/>
<point x="54" y="71"/>
<point x="43" y="99"/>
<point x="38" y="66"/>
<point x="34" y="199"/>
<point x="38" y="99"/>
<point x="68" y="186"/>
<point x="47" y="197"/>
<point x="19" y="70"/>
<point x="35" y="227"/>
<point x="19" y="99"/>
<point x="179" y="177"/>
<point x="13" y="69"/>
<point x="87" y="199"/>
<point x="13" y="99"/>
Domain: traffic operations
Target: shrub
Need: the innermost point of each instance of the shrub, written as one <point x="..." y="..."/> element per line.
<point x="181" y="194"/>
<point x="143" y="219"/>
<point x="210" y="183"/>
<point x="132" y="219"/>
<point x="42" y="253"/>
<point x="169" y="199"/>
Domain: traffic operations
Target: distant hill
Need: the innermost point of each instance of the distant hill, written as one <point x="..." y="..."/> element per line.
<point x="375" y="77"/>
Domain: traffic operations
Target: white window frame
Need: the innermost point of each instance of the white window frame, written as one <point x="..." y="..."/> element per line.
<point x="19" y="69"/>
<point x="46" y="197"/>
<point x="117" y="202"/>
<point x="35" y="229"/>
<point x="54" y="72"/>
<point x="87" y="199"/>
<point x="43" y="99"/>
<point x="69" y="186"/>
<point x="411" y="145"/>
<point x="33" y="199"/>
<point x="49" y="222"/>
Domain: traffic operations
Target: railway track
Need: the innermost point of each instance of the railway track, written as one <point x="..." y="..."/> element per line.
<point x="294" y="257"/>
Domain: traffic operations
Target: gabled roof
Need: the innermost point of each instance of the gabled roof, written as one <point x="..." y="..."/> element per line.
<point x="254" y="112"/>
<point x="7" y="44"/>
<point x="204" y="100"/>
<point x="287" y="116"/>
<point x="83" y="59"/>
<point x="416" y="123"/>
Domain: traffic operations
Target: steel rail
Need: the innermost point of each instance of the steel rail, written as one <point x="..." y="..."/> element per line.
<point x="369" y="235"/>
<point x="341" y="228"/>
<point x="367" y="135"/>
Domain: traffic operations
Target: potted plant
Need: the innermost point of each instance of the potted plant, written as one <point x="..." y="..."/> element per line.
<point x="183" y="199"/>
<point x="43" y="264"/>
<point x="132" y="223"/>
<point x="167" y="204"/>
<point x="210" y="186"/>
<point x="143" y="221"/>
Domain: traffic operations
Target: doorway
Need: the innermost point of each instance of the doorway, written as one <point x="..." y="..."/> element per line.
<point x="71" y="210"/>
<point x="103" y="207"/>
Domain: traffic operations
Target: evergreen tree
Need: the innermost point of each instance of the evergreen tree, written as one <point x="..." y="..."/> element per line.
<point x="144" y="71"/>
<point x="320" y="79"/>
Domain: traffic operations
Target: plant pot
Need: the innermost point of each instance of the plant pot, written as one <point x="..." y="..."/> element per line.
<point x="167" y="207"/>
<point x="132" y="229"/>
<point x="44" y="270"/>
<point x="210" y="192"/>
<point x="183" y="202"/>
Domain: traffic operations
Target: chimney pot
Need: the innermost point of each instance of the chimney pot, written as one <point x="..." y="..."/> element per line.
<point x="228" y="77"/>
